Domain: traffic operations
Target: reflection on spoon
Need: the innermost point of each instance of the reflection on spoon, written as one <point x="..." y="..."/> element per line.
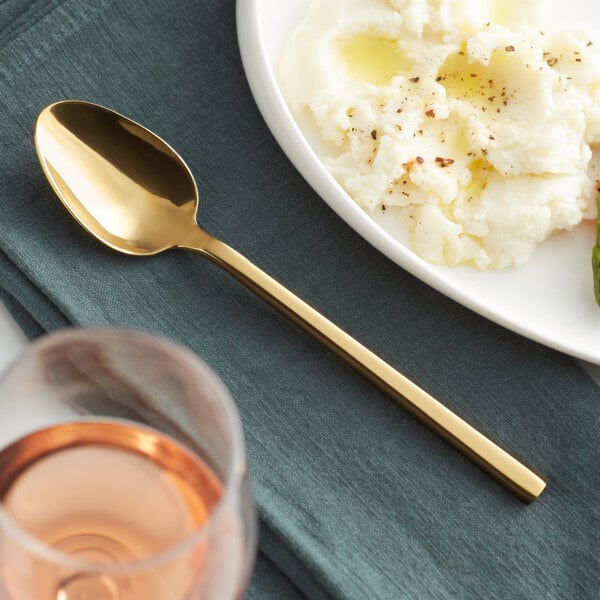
<point x="133" y="192"/>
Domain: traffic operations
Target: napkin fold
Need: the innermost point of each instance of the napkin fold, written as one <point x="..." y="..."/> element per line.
<point x="356" y="498"/>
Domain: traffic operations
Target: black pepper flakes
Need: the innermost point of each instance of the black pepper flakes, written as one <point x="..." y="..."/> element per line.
<point x="509" y="48"/>
<point x="444" y="162"/>
<point x="374" y="134"/>
<point x="415" y="79"/>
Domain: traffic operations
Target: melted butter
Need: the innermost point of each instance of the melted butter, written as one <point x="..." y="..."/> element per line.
<point x="372" y="59"/>
<point x="483" y="86"/>
<point x="502" y="13"/>
<point x="480" y="172"/>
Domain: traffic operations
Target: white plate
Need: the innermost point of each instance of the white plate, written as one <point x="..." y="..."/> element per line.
<point x="549" y="300"/>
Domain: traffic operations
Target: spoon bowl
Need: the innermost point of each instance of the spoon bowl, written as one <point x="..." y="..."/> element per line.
<point x="91" y="155"/>
<point x="133" y="192"/>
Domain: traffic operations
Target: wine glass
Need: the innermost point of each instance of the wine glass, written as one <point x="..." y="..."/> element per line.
<point x="122" y="473"/>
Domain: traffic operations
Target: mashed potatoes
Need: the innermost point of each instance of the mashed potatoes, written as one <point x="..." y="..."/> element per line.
<point x="468" y="118"/>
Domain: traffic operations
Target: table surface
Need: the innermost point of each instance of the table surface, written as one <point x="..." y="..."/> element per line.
<point x="12" y="342"/>
<point x="12" y="339"/>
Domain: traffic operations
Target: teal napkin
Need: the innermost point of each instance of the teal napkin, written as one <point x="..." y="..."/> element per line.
<point x="356" y="499"/>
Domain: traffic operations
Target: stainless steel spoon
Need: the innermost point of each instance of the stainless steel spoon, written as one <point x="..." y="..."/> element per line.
<point x="133" y="192"/>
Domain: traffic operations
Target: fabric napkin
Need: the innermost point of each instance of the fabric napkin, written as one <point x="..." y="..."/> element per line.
<point x="356" y="499"/>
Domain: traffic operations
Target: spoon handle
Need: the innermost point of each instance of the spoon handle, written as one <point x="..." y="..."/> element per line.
<point x="514" y="475"/>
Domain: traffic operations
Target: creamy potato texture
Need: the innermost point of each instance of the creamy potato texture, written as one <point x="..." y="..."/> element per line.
<point x="469" y="119"/>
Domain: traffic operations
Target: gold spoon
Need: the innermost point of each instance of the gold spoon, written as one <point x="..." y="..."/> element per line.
<point x="133" y="192"/>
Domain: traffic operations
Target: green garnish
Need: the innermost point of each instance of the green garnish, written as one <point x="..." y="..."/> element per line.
<point x="596" y="255"/>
